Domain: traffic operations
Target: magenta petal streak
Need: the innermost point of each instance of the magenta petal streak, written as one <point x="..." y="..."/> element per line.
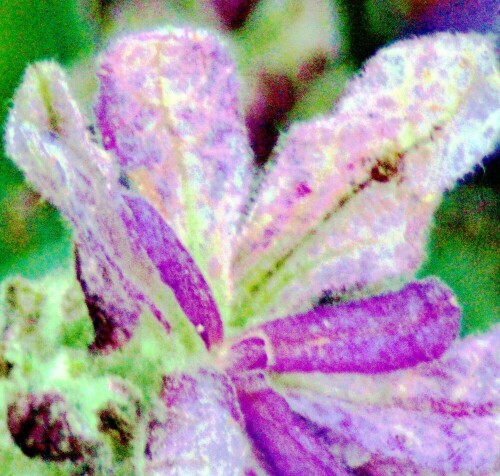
<point x="437" y="418"/>
<point x="378" y="334"/>
<point x="177" y="269"/>
<point x="287" y="443"/>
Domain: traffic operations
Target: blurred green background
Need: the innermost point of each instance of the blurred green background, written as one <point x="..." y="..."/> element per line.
<point x="307" y="49"/>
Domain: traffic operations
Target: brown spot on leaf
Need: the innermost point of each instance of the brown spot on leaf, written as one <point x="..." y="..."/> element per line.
<point x="5" y="367"/>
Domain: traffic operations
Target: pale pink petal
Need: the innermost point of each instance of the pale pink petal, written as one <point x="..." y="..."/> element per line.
<point x="47" y="138"/>
<point x="349" y="201"/>
<point x="285" y="442"/>
<point x="199" y="429"/>
<point x="437" y="418"/>
<point x="168" y="108"/>
<point x="379" y="334"/>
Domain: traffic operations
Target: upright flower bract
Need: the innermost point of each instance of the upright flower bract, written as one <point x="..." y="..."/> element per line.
<point x="167" y="207"/>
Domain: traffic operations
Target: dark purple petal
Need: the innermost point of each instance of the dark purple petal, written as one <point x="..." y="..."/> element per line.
<point x="113" y="324"/>
<point x="177" y="269"/>
<point x="436" y="418"/>
<point x="378" y="334"/>
<point x="286" y="442"/>
<point x="39" y="425"/>
<point x="246" y="354"/>
<point x="198" y="430"/>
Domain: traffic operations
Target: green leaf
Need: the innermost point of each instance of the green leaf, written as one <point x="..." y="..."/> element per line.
<point x="32" y="236"/>
<point x="463" y="252"/>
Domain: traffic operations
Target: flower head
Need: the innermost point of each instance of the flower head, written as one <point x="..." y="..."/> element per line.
<point x="170" y="206"/>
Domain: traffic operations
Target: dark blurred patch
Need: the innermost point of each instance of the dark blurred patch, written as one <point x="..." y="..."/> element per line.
<point x="456" y="15"/>
<point x="275" y="97"/>
<point x="363" y="43"/>
<point x="39" y="426"/>
<point x="311" y="69"/>
<point x="233" y="13"/>
<point x="106" y="3"/>
<point x="489" y="175"/>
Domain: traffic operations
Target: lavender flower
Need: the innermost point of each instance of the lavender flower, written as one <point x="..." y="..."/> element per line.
<point x="169" y="208"/>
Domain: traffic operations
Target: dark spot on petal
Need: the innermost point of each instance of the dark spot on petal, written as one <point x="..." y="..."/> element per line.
<point x="302" y="189"/>
<point x="124" y="180"/>
<point x="327" y="298"/>
<point x="383" y="171"/>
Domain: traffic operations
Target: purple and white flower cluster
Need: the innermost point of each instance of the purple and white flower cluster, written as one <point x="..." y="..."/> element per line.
<point x="167" y="201"/>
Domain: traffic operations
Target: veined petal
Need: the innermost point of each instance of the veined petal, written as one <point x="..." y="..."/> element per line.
<point x="47" y="138"/>
<point x="437" y="418"/>
<point x="379" y="334"/>
<point x="199" y="432"/>
<point x="168" y="108"/>
<point x="287" y="444"/>
<point x="351" y="196"/>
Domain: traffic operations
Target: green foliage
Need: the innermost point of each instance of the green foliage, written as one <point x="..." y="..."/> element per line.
<point x="32" y="236"/>
<point x="44" y="333"/>
<point x="464" y="252"/>
<point x="384" y="19"/>
<point x="322" y="94"/>
<point x="31" y="30"/>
